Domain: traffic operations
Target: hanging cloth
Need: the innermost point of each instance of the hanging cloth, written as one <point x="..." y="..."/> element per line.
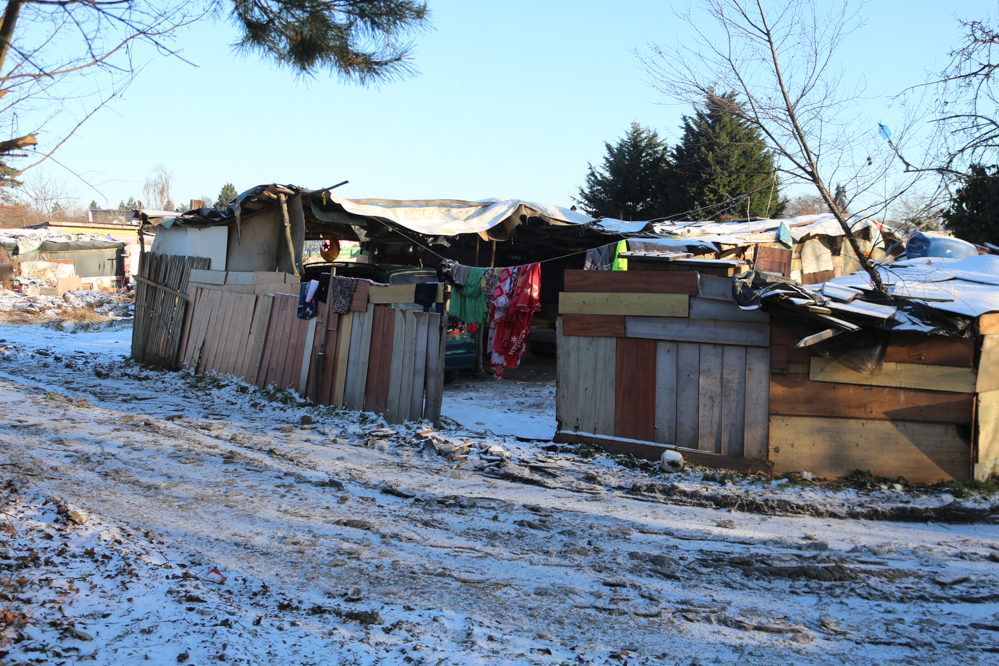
<point x="341" y="293"/>
<point x="308" y="304"/>
<point x="518" y="299"/>
<point x="468" y="303"/>
<point x="600" y="258"/>
<point x="619" y="263"/>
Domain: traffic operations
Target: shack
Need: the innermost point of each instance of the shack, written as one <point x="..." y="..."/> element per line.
<point x="826" y="379"/>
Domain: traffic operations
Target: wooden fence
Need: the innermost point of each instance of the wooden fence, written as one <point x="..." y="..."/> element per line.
<point x="160" y="303"/>
<point x="376" y="357"/>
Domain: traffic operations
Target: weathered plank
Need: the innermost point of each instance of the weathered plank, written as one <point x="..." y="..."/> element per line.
<point x="698" y="330"/>
<point x="709" y="399"/>
<point x="419" y="368"/>
<point x="308" y="349"/>
<point x="829" y="448"/>
<point x="635" y="391"/>
<point x="207" y="277"/>
<point x="986" y="461"/>
<point x="715" y="288"/>
<point x="566" y="393"/>
<point x="602" y="353"/>
<point x="666" y="388"/>
<point x="773" y="260"/>
<point x="360" y="301"/>
<point x="327" y="383"/>
<point x="270" y="347"/>
<point x="901" y="375"/>
<point x="399" y="293"/>
<point x="376" y="389"/>
<point x="624" y="282"/>
<point x="778" y="357"/>
<point x="707" y="308"/>
<point x="392" y="411"/>
<point x="360" y="349"/>
<point x="344" y="337"/>
<point x="649" y="305"/>
<point x="757" y="402"/>
<point x="988" y="365"/>
<point x="796" y="395"/>
<point x="688" y="363"/>
<point x="257" y="338"/>
<point x="733" y="400"/>
<point x="911" y="347"/>
<point x="408" y="364"/>
<point x="605" y="326"/>
<point x="586" y="386"/>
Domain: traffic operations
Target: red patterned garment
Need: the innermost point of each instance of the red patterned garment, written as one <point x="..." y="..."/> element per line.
<point x="515" y="300"/>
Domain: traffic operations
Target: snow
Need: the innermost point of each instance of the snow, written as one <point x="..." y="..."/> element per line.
<point x="470" y="546"/>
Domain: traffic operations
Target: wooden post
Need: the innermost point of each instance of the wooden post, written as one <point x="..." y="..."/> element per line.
<point x="287" y="232"/>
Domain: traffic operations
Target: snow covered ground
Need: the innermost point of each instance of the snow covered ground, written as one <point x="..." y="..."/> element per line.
<point x="158" y="517"/>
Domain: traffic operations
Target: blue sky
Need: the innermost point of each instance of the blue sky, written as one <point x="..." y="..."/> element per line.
<point x="512" y="99"/>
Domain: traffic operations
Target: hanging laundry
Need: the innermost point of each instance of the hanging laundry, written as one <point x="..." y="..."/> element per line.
<point x="425" y="294"/>
<point x="468" y="303"/>
<point x="619" y="263"/>
<point x="600" y="258"/>
<point x="308" y="304"/>
<point x="516" y="299"/>
<point x="341" y="293"/>
<point x="489" y="280"/>
<point x="453" y="273"/>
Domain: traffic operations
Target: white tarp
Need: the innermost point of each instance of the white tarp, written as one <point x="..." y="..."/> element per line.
<point x="446" y="217"/>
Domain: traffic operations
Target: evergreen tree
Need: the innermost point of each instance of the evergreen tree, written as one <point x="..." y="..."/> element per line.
<point x="974" y="210"/>
<point x="719" y="158"/>
<point x="8" y="184"/>
<point x="93" y="205"/>
<point x="226" y="194"/>
<point x="630" y="185"/>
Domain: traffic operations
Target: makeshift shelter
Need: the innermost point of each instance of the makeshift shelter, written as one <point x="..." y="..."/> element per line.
<point x="46" y="256"/>
<point x="789" y="378"/>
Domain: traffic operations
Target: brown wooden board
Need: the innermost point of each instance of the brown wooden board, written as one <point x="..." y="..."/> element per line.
<point x="258" y="338"/>
<point x="329" y="360"/>
<point x="829" y="448"/>
<point x="360" y="302"/>
<point x="817" y="278"/>
<point x="688" y="363"/>
<point x="911" y="347"/>
<point x="635" y="395"/>
<point x="988" y="365"/>
<point x="623" y="282"/>
<point x="606" y="326"/>
<point x="778" y="357"/>
<point x="986" y="462"/>
<point x="796" y="395"/>
<point x="774" y="260"/>
<point x="376" y="389"/>
<point x="283" y="341"/>
<point x="898" y="375"/>
<point x="293" y="366"/>
<point x="271" y="345"/>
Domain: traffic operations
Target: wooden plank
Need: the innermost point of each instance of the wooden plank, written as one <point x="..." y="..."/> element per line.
<point x="651" y="305"/>
<point x="308" y="353"/>
<point x="196" y="331"/>
<point x="635" y="392"/>
<point x="240" y="277"/>
<point x="623" y="282"/>
<point x="408" y="364"/>
<point x="587" y="387"/>
<point x="342" y="358"/>
<point x="757" y="432"/>
<point x="327" y="383"/>
<point x="376" y="387"/>
<point x="709" y="399"/>
<point x="715" y="288"/>
<point x="419" y="367"/>
<point x="986" y="462"/>
<point x="901" y="375"/>
<point x="360" y="358"/>
<point x="287" y="371"/>
<point x="210" y="303"/>
<point x="829" y="448"/>
<point x="818" y="277"/>
<point x="257" y="338"/>
<point x="226" y="316"/>
<point x="216" y="335"/>
<point x="707" y="308"/>
<point x="207" y="277"/>
<point x="650" y="451"/>
<point x="988" y="365"/>
<point x="393" y="411"/>
<point x="911" y="347"/>
<point x="796" y="395"/>
<point x="838" y="293"/>
<point x="797" y="368"/>
<point x="988" y="324"/>
<point x="399" y="293"/>
<point x="566" y="386"/>
<point x="248" y="307"/>
<point x="192" y="306"/>
<point x="276" y="288"/>
<point x="434" y="382"/>
<point x="733" y="400"/>
<point x="360" y="301"/>
<point x="666" y="388"/>
<point x="609" y="326"/>
<point x="232" y="335"/>
<point x="688" y="363"/>
<point x="698" y="330"/>
<point x="773" y="260"/>
<point x="267" y="277"/>
<point x="285" y="341"/>
<point x="778" y="357"/>
<point x="270" y="341"/>
<point x="602" y="354"/>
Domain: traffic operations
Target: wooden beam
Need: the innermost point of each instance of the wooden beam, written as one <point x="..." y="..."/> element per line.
<point x="161" y="287"/>
<point x="901" y="375"/>
<point x="598" y="326"/>
<point x="830" y="448"/>
<point x="912" y="347"/>
<point x="698" y="330"/>
<point x="624" y="282"/>
<point x="649" y="305"/>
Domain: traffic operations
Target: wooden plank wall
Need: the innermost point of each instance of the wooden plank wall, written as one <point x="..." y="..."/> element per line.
<point x="161" y="307"/>
<point x="375" y="357"/>
<point x="913" y="420"/>
<point x="985" y="463"/>
<point x="664" y="358"/>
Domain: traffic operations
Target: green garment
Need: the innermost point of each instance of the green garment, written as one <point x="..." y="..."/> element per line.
<point x="619" y="263"/>
<point x="468" y="303"/>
